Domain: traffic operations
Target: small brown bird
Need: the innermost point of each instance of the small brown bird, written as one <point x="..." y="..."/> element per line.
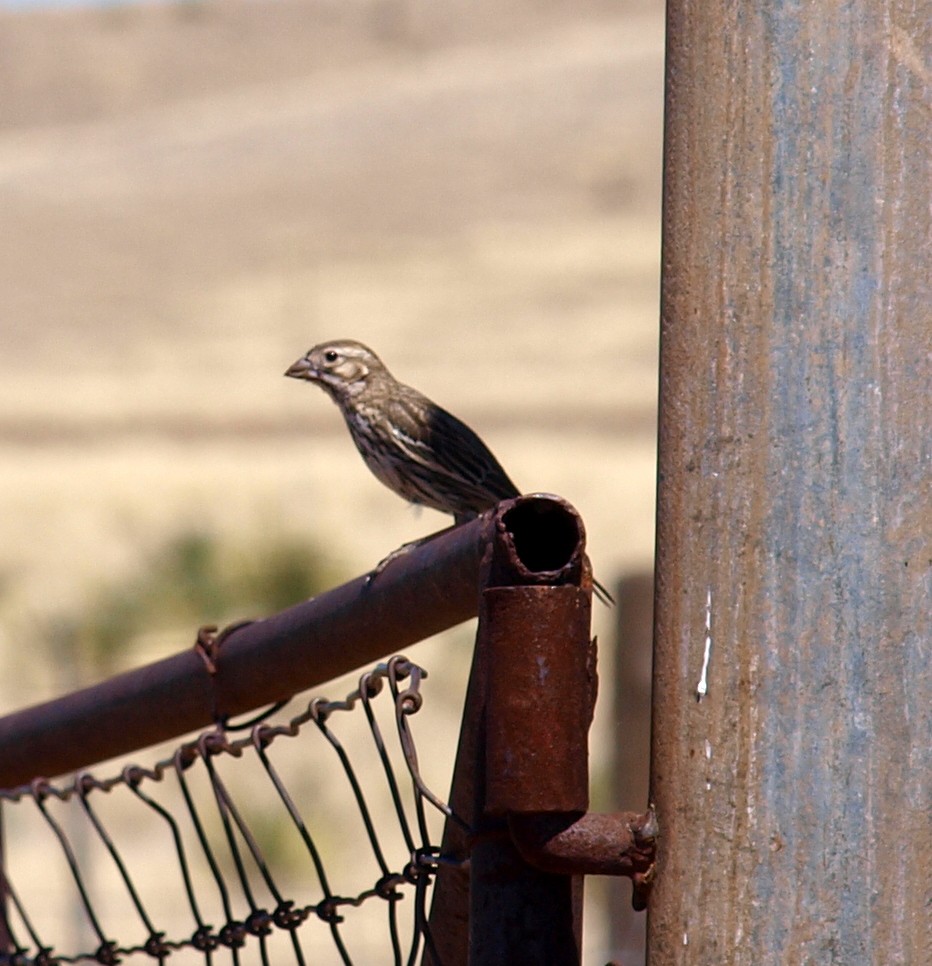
<point x="417" y="449"/>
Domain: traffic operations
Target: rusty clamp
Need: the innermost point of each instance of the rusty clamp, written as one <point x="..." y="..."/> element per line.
<point x="540" y="697"/>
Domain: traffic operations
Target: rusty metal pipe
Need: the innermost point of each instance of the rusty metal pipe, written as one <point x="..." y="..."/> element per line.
<point x="540" y="699"/>
<point x="428" y="589"/>
<point x="432" y="587"/>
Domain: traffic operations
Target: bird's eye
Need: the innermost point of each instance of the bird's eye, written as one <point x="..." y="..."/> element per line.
<point x="331" y="355"/>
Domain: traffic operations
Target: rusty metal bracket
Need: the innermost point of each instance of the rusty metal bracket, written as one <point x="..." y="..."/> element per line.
<point x="540" y="698"/>
<point x="541" y="693"/>
<point x="593" y="843"/>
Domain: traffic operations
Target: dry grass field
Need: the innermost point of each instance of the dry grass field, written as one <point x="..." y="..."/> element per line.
<point x="194" y="193"/>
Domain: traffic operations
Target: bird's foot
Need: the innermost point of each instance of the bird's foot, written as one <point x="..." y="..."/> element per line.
<point x="394" y="555"/>
<point x="402" y="550"/>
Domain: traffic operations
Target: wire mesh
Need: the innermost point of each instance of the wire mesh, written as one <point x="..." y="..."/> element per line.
<point x="214" y="855"/>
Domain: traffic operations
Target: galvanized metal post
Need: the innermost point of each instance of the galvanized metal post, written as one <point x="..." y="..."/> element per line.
<point x="792" y="699"/>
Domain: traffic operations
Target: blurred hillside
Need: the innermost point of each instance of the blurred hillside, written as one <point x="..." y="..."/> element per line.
<point x="194" y="193"/>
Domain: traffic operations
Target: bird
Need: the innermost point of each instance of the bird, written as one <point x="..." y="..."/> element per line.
<point x="409" y="443"/>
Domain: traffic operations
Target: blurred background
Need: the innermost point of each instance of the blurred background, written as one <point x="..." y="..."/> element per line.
<point x="193" y="193"/>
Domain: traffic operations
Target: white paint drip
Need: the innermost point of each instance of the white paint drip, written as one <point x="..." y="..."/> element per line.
<point x="702" y="688"/>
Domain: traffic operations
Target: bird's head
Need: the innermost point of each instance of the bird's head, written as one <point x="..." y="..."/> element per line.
<point x="341" y="368"/>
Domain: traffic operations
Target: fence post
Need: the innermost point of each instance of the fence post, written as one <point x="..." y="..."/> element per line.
<point x="630" y="744"/>
<point x="538" y="665"/>
<point x="533" y="621"/>
<point x="6" y="940"/>
<point x="791" y="716"/>
<point x="538" y="708"/>
<point x="521" y="782"/>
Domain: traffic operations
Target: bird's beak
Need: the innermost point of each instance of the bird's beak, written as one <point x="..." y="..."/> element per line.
<point x="302" y="369"/>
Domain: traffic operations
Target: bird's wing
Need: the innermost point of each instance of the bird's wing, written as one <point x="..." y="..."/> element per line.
<point x="445" y="445"/>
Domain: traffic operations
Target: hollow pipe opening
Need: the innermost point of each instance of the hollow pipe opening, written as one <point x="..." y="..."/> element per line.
<point x="545" y="533"/>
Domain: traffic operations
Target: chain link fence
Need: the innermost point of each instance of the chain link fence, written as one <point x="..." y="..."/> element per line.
<point x="313" y="837"/>
<point x="203" y="826"/>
